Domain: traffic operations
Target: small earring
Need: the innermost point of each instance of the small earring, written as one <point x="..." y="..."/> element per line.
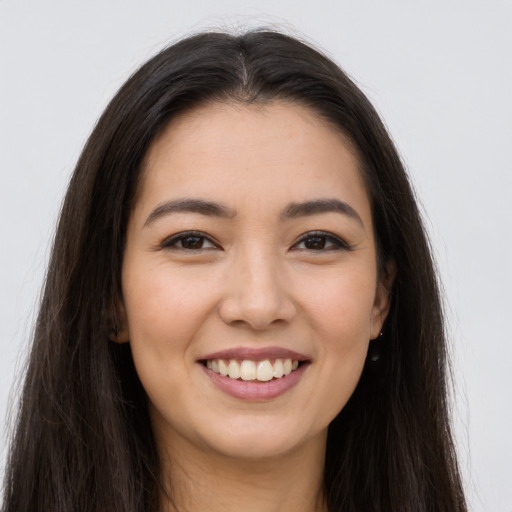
<point x="374" y="354"/>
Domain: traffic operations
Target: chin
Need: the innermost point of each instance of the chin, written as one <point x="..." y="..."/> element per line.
<point x="256" y="438"/>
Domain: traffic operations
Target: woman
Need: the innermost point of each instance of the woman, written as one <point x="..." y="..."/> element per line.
<point x="241" y="311"/>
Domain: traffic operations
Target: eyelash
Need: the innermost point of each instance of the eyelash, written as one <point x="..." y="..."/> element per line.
<point x="336" y="242"/>
<point x="171" y="242"/>
<point x="328" y="238"/>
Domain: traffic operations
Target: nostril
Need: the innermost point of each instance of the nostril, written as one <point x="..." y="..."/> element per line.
<point x="256" y="298"/>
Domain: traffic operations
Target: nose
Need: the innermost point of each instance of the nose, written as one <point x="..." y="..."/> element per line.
<point x="257" y="292"/>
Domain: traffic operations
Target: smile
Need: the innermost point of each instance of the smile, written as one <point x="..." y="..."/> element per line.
<point x="249" y="370"/>
<point x="255" y="374"/>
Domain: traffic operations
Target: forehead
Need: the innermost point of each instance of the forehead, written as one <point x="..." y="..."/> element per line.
<point x="272" y="153"/>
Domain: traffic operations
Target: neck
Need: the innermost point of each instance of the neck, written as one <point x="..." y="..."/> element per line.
<point x="198" y="480"/>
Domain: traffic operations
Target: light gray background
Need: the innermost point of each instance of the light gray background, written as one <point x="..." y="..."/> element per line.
<point x="439" y="72"/>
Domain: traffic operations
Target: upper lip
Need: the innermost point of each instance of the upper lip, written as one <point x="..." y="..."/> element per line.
<point x="256" y="354"/>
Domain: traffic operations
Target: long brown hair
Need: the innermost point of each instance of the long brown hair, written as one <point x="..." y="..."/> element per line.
<point x="83" y="441"/>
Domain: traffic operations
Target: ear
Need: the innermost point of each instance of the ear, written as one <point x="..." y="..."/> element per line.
<point x="382" y="301"/>
<point x="119" y="332"/>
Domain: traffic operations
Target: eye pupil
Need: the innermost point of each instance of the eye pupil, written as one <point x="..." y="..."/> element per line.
<point x="315" y="242"/>
<point x="192" y="242"/>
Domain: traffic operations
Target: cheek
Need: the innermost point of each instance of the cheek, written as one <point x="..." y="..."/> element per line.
<point x="164" y="313"/>
<point x="339" y="312"/>
<point x="160" y="302"/>
<point x="340" y="307"/>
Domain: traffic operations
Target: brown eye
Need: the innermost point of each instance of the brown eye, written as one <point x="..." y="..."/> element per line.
<point x="190" y="241"/>
<point x="315" y="242"/>
<point x="320" y="241"/>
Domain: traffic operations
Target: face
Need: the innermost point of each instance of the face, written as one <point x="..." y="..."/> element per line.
<point x="250" y="285"/>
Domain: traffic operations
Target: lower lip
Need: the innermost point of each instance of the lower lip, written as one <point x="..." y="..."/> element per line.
<point x="256" y="391"/>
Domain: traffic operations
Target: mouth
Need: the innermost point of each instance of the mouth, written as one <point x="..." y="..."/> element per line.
<point x="255" y="374"/>
<point x="253" y="370"/>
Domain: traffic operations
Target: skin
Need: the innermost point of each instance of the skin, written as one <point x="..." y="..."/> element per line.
<point x="254" y="283"/>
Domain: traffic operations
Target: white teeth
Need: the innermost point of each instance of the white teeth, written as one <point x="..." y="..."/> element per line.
<point x="278" y="369"/>
<point x="223" y="368"/>
<point x="264" y="371"/>
<point x="248" y="370"/>
<point x="233" y="370"/>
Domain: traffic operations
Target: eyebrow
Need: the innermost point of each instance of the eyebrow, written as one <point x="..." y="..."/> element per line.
<point x="187" y="205"/>
<point x="319" y="206"/>
<point x="213" y="209"/>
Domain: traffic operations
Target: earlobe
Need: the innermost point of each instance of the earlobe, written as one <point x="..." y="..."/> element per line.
<point x="382" y="302"/>
<point x="119" y="336"/>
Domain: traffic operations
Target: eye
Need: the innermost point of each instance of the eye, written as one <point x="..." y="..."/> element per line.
<point x="320" y="241"/>
<point x="189" y="241"/>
